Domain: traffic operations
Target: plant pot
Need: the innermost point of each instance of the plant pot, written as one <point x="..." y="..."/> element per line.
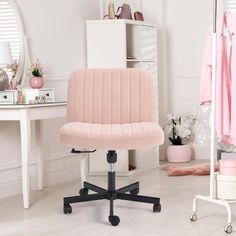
<point x="36" y="82"/>
<point x="179" y="153"/>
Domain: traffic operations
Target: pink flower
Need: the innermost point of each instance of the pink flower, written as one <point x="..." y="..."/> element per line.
<point x="36" y="69"/>
<point x="13" y="67"/>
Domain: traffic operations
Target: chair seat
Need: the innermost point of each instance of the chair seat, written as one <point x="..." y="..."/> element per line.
<point x="112" y="136"/>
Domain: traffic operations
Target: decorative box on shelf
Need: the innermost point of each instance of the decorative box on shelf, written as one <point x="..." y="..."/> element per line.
<point x="226" y="179"/>
<point x="30" y="95"/>
<point x="8" y="97"/>
<point x="226" y="187"/>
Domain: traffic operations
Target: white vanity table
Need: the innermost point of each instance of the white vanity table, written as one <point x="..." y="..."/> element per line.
<point x="12" y="31"/>
<point x="24" y="114"/>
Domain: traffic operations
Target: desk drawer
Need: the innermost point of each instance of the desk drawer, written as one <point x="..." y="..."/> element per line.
<point x="8" y="97"/>
<point x="31" y="94"/>
<point x="48" y="93"/>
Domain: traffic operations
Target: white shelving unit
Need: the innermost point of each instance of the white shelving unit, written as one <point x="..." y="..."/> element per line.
<point x="123" y="44"/>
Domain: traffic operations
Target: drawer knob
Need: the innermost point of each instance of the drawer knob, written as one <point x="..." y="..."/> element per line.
<point x="47" y="94"/>
<point x="5" y="96"/>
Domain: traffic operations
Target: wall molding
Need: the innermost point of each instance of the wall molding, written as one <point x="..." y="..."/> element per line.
<point x="57" y="78"/>
<point x="16" y="165"/>
<point x="57" y="170"/>
<point x="188" y="99"/>
<point x="187" y="77"/>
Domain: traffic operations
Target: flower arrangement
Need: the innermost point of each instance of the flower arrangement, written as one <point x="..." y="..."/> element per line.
<point x="36" y="69"/>
<point x="179" y="128"/>
<point x="13" y="68"/>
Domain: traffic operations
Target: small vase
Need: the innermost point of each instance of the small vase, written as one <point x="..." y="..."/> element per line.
<point x="36" y="82"/>
<point x="179" y="153"/>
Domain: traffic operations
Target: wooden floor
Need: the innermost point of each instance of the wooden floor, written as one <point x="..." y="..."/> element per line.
<point x="45" y="216"/>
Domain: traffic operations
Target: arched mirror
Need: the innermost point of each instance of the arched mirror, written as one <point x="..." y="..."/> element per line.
<point x="12" y="31"/>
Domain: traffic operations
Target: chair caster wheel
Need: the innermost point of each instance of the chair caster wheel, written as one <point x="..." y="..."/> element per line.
<point x="114" y="220"/>
<point x="67" y="209"/>
<point x="157" y="208"/>
<point x="193" y="217"/>
<point x="228" y="229"/>
<point x="135" y="191"/>
<point x="83" y="192"/>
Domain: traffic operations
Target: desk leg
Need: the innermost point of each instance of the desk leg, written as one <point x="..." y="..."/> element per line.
<point x="39" y="152"/>
<point x="25" y="154"/>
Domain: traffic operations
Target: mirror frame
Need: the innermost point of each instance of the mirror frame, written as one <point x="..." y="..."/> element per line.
<point x="20" y="73"/>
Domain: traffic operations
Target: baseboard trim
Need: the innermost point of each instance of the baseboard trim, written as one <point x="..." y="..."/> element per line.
<point x="56" y="171"/>
<point x="17" y="165"/>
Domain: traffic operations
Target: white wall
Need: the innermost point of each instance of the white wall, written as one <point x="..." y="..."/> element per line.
<point x="187" y="29"/>
<point x="183" y="28"/>
<point x="56" y="31"/>
<point x="187" y="25"/>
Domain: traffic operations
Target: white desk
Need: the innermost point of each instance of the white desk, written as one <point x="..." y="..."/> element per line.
<point x="24" y="114"/>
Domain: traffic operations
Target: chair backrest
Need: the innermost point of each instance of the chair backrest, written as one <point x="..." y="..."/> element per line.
<point x="111" y="96"/>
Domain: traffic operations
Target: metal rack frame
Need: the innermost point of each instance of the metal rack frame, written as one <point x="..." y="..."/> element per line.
<point x="212" y="197"/>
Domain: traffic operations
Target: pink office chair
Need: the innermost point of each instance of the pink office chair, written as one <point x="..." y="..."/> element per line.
<point x="111" y="110"/>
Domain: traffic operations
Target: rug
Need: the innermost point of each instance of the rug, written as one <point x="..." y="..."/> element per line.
<point x="182" y="169"/>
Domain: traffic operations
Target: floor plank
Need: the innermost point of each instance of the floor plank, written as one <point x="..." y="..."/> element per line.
<point x="45" y="217"/>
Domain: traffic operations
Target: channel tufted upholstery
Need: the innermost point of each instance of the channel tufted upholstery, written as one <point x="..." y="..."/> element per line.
<point x="111" y="109"/>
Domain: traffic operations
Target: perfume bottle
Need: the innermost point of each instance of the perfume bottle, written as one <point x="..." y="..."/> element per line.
<point x="111" y="10"/>
<point x="20" y="98"/>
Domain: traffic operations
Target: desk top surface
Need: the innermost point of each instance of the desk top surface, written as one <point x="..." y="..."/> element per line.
<point x="25" y="106"/>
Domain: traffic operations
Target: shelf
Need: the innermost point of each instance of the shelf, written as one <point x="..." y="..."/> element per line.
<point x="135" y="47"/>
<point x="123" y="21"/>
<point x="140" y="60"/>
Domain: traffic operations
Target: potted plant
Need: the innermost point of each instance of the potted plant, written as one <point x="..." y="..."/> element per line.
<point x="179" y="130"/>
<point x="36" y="73"/>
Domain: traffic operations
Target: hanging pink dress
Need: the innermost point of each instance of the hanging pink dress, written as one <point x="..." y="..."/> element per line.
<point x="225" y="78"/>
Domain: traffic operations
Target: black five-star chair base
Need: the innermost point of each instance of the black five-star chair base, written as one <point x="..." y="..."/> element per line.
<point x="129" y="193"/>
